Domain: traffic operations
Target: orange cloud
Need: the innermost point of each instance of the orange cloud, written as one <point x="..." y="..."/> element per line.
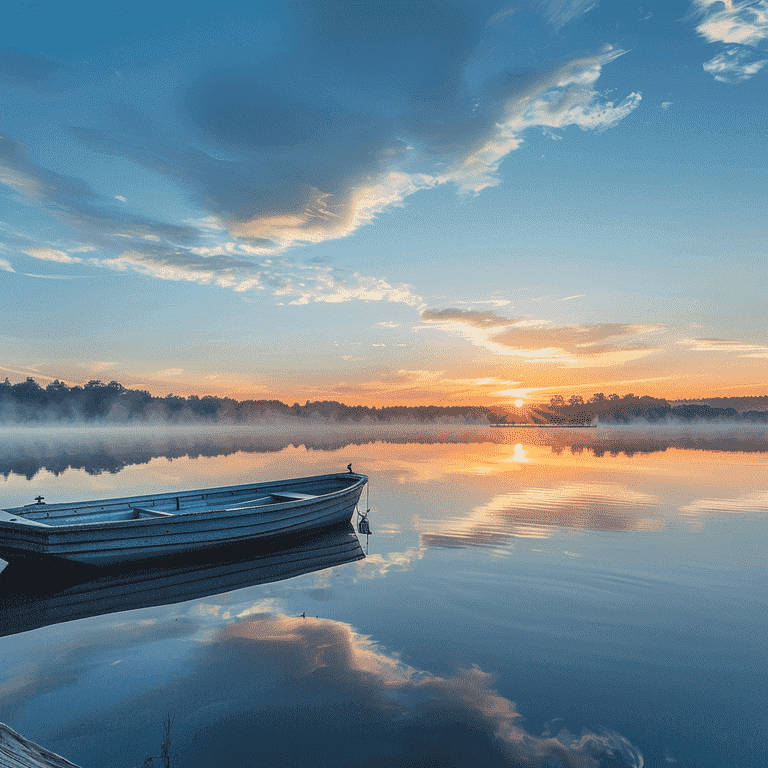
<point x="473" y="318"/>
<point x="414" y="387"/>
<point x="726" y="345"/>
<point x="591" y="345"/>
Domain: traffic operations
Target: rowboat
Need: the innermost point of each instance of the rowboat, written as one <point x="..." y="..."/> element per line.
<point x="113" y="531"/>
<point x="30" y="598"/>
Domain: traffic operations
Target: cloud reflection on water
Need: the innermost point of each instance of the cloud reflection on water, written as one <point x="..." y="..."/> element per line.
<point x="381" y="564"/>
<point x="292" y="691"/>
<point x="536" y="513"/>
<point x="401" y="700"/>
<point x="748" y="502"/>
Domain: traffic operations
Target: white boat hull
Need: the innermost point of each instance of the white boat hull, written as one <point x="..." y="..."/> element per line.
<point x="111" y="531"/>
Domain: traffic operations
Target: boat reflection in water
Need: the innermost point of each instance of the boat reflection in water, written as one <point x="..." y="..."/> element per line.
<point x="35" y="594"/>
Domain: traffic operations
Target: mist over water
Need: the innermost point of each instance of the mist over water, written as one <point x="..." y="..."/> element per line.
<point x="588" y="597"/>
<point x="27" y="451"/>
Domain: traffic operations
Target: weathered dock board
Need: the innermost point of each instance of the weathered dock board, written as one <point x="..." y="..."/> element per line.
<point x="18" y="752"/>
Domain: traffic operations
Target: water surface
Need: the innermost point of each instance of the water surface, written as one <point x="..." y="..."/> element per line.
<point x="584" y="597"/>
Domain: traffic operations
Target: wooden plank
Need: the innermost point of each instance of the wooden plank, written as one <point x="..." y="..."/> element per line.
<point x="259" y="501"/>
<point x="18" y="752"/>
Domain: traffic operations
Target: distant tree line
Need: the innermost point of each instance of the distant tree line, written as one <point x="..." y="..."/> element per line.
<point x="615" y="409"/>
<point x="742" y="403"/>
<point x="29" y="402"/>
<point x="95" y="401"/>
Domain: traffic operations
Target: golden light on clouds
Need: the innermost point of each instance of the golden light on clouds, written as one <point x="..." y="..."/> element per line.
<point x="324" y="216"/>
<point x="588" y="345"/>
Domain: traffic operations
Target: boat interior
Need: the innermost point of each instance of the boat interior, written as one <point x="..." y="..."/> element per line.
<point x="154" y="507"/>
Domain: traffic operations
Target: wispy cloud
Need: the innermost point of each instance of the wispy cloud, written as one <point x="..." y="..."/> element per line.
<point x="82" y="248"/>
<point x="733" y="21"/>
<point x="492" y="302"/>
<point x="99" y="366"/>
<point x="20" y="69"/>
<point x="734" y="65"/>
<point x="75" y="203"/>
<point x="415" y="386"/>
<point x="57" y="277"/>
<point x="281" y="276"/>
<point x="587" y="345"/>
<point x="742" y="349"/>
<point x="500" y="16"/>
<point x="742" y="25"/>
<point x="565" y="97"/>
<point x="471" y="318"/>
<point x="33" y="372"/>
<point x="5" y="266"/>
<point x="331" y="289"/>
<point x="49" y="254"/>
<point x="560" y="12"/>
<point x="183" y="265"/>
<point x="604" y="384"/>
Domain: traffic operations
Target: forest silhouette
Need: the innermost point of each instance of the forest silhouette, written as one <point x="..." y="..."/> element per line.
<point x="28" y="402"/>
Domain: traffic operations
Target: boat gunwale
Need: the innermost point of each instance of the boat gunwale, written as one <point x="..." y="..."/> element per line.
<point x="40" y="527"/>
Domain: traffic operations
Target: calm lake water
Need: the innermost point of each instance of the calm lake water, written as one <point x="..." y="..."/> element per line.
<point x="530" y="597"/>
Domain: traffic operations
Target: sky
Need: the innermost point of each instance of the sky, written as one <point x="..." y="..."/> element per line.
<point x="456" y="203"/>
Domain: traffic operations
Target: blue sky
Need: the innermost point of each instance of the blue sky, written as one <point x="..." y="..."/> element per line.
<point x="386" y="202"/>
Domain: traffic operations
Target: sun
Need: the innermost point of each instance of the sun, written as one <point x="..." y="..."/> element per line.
<point x="519" y="403"/>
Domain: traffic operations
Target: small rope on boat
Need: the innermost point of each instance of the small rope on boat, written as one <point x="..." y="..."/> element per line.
<point x="363" y="526"/>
